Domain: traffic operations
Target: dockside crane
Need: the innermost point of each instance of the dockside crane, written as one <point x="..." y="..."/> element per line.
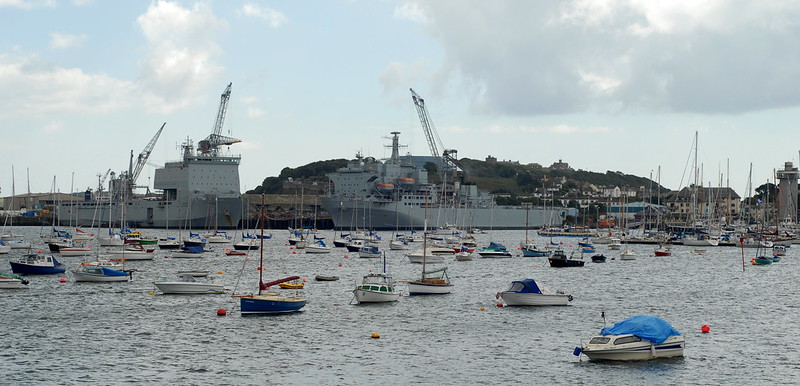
<point x="448" y="158"/>
<point x="210" y="145"/>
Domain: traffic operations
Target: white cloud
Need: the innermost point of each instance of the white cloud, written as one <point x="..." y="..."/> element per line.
<point x="253" y="112"/>
<point x="28" y="4"/>
<point x="58" y="40"/>
<point x="30" y="86"/>
<point x="52" y="127"/>
<point x="559" y="57"/>
<point x="397" y="77"/>
<point x="556" y="129"/>
<point x="274" y="18"/>
<point x="182" y="46"/>
<point x="410" y="11"/>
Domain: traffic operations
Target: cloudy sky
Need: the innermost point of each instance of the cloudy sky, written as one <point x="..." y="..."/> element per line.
<point x="602" y="84"/>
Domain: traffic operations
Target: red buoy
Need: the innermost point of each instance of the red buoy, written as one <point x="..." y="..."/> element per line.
<point x="62" y="280"/>
<point x="499" y="304"/>
<point x="705" y="328"/>
<point x="221" y="312"/>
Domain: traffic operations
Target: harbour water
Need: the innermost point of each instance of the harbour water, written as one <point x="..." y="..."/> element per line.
<point x="110" y="333"/>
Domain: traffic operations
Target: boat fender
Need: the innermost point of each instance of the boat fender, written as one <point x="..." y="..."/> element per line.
<point x="577" y="351"/>
<point x="569" y="297"/>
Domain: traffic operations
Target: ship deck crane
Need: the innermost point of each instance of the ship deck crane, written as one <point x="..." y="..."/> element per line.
<point x="446" y="159"/>
<point x="210" y="145"/>
<point x="134" y="172"/>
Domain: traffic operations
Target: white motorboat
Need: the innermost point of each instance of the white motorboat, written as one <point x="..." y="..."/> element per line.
<point x="464" y="256"/>
<point x="376" y="288"/>
<point x="191" y="252"/>
<point x="18" y="244"/>
<point x="494" y="250"/>
<point x="318" y="247"/>
<point x="74" y="251"/>
<point x="640" y="337"/>
<point x="398" y="245"/>
<point x="218" y="237"/>
<point x="433" y="255"/>
<point x="4" y="249"/>
<point x="369" y="252"/>
<point x="614" y="244"/>
<point x="188" y="285"/>
<point x="700" y="241"/>
<point x="11" y="281"/>
<point x="133" y="252"/>
<point x="113" y="240"/>
<point x="627" y="255"/>
<point x="96" y="273"/>
<point x="528" y="293"/>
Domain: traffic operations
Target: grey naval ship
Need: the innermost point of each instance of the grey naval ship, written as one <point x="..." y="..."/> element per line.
<point x="201" y="191"/>
<point x="396" y="194"/>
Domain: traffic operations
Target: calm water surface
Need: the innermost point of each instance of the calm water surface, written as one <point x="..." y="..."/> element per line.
<point x="71" y="333"/>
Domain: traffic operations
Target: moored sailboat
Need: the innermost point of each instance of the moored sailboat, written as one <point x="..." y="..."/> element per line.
<point x="269" y="302"/>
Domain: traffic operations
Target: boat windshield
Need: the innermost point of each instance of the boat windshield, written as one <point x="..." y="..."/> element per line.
<point x="600" y="340"/>
<point x="627" y="339"/>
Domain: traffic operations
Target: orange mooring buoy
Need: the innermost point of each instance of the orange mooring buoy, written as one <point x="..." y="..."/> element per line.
<point x="705" y="328"/>
<point x="221" y="312"/>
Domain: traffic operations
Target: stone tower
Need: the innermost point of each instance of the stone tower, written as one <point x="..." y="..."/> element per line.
<point x="787" y="199"/>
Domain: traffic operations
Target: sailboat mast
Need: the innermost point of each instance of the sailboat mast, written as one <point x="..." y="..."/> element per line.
<point x="261" y="247"/>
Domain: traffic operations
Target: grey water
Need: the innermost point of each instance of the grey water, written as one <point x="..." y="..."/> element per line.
<point x="112" y="333"/>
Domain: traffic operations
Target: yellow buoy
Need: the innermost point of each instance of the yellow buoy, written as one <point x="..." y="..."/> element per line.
<point x="219" y="272"/>
<point x="151" y="293"/>
<point x="483" y="308"/>
<point x="375" y="335"/>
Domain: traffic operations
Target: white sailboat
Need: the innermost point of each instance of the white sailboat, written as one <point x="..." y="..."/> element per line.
<point x="431" y="282"/>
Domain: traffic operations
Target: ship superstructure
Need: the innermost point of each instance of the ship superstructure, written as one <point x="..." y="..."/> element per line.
<point x="202" y="190"/>
<point x="396" y="193"/>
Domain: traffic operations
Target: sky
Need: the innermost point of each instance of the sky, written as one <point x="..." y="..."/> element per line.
<point x="600" y="84"/>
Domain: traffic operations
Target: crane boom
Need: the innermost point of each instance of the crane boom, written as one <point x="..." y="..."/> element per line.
<point x="144" y="155"/>
<point x="223" y="109"/>
<point x="211" y="144"/>
<point x="447" y="158"/>
<point x="427" y="125"/>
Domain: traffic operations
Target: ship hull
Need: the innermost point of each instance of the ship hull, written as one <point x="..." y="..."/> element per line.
<point x="384" y="216"/>
<point x="143" y="213"/>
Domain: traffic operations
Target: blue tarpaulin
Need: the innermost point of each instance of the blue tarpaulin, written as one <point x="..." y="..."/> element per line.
<point x="647" y="327"/>
<point x="527" y="286"/>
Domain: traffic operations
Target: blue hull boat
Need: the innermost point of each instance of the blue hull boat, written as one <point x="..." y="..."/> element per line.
<point x="37" y="265"/>
<point x="270" y="304"/>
